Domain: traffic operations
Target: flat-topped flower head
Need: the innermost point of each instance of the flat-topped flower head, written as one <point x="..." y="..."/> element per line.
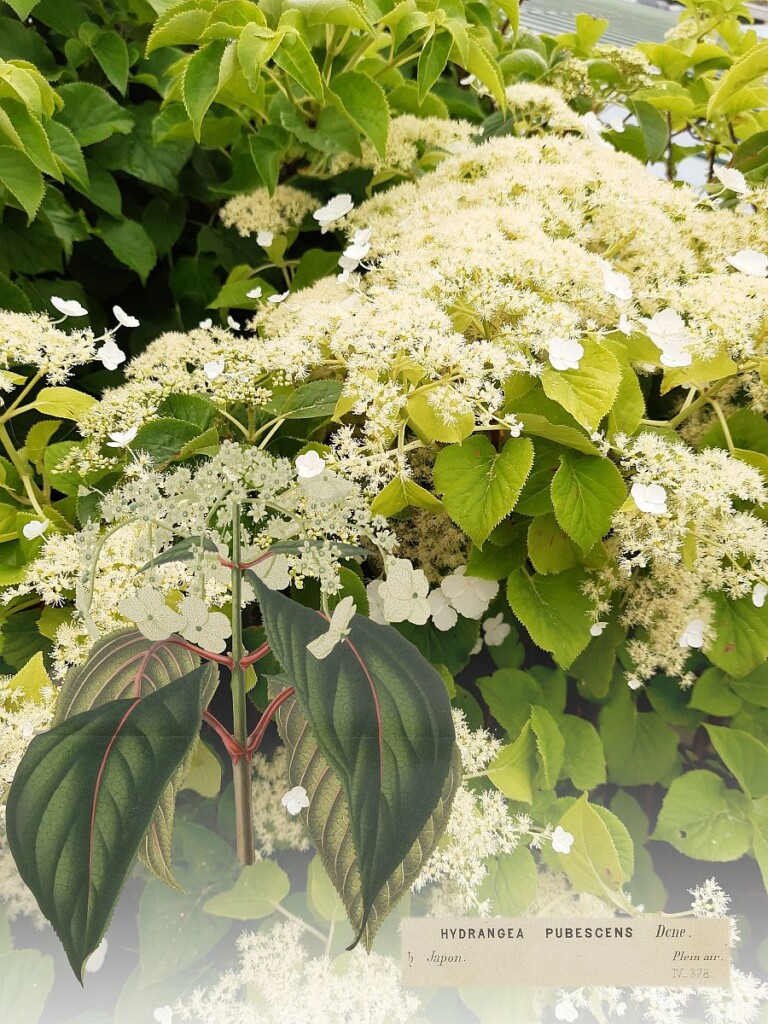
<point x="750" y="262"/>
<point x="404" y="593"/>
<point x="693" y="634"/>
<point x="338" y="628"/>
<point x="565" y="353"/>
<point x="295" y="800"/>
<point x="202" y="627"/>
<point x="651" y="498"/>
<point x="732" y="179"/>
<point x="333" y="210"/>
<point x="110" y="355"/>
<point x="146" y="607"/>
<point x="68" y="307"/>
<point x="123" y="318"/>
<point x="561" y="840"/>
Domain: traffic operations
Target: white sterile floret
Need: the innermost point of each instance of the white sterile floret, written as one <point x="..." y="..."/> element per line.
<point x="634" y="683"/>
<point x="233" y="324"/>
<point x="123" y="318"/>
<point x="254" y="293"/>
<point x="202" y="627"/>
<point x="357" y="250"/>
<point x="565" y="1010"/>
<point x="693" y="634"/>
<point x="122" y="438"/>
<point x="565" y="353"/>
<point x="206" y="324"/>
<point x="561" y="840"/>
<point x="759" y="594"/>
<point x="265" y="238"/>
<point x="110" y="355"/>
<point x="444" y="616"/>
<point x="213" y="368"/>
<point x="750" y="262"/>
<point x="616" y="283"/>
<point x="146" y="607"/>
<point x="163" y="1014"/>
<point x="593" y="128"/>
<point x="469" y="595"/>
<point x="274" y="572"/>
<point x="295" y="800"/>
<point x="333" y="210"/>
<point x="668" y="331"/>
<point x="404" y="593"/>
<point x="651" y="498"/>
<point x="732" y="179"/>
<point x="279" y="297"/>
<point x="624" y="325"/>
<point x="596" y="629"/>
<point x="496" y="630"/>
<point x="310" y="464"/>
<point x="375" y="603"/>
<point x="68" y="307"/>
<point x="35" y="528"/>
<point x="338" y="629"/>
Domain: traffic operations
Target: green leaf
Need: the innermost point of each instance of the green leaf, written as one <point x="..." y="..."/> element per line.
<point x="65" y="402"/>
<point x="571" y="437"/>
<point x="363" y="101"/>
<point x="744" y="756"/>
<point x="28" y="134"/>
<point x="26" y="979"/>
<point x="111" y="51"/>
<point x="332" y="827"/>
<point x="713" y="694"/>
<point x="430" y="426"/>
<point x="130" y="244"/>
<point x="702" y="818"/>
<point x="511" y="882"/>
<point x="593" y="864"/>
<point x="179" y="27"/>
<point x="550" y="745"/>
<point x="401" y="492"/>
<point x="22" y="179"/>
<point x="164" y="438"/>
<point x="22" y="8"/>
<point x="586" y="491"/>
<point x="584" y="757"/>
<point x="589" y="392"/>
<point x="258" y="891"/>
<point x="295" y="58"/>
<point x="480" y="485"/>
<point x="640" y="748"/>
<point x="432" y="61"/>
<point x="255" y="46"/>
<point x="202" y="81"/>
<point x="12" y="297"/>
<point x="751" y="65"/>
<point x="314" y="265"/>
<point x="191" y="408"/>
<point x="513" y="769"/>
<point x="83" y="798"/>
<point x="553" y="610"/>
<point x="482" y="65"/>
<point x="313" y="400"/>
<point x="381" y="717"/>
<point x="91" y="114"/>
<point x="29" y="682"/>
<point x="740" y="633"/>
<point x="450" y="648"/>
<point x="68" y="154"/>
<point x="654" y="128"/>
<point x="509" y="694"/>
<point x="550" y="550"/>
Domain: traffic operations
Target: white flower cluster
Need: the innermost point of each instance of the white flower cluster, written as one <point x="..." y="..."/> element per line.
<point x="278" y="981"/>
<point x="33" y="339"/>
<point x="259" y="213"/>
<point x="683" y="535"/>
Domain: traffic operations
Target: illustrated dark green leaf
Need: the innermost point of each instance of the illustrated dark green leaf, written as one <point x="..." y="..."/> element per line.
<point x="328" y="821"/>
<point x="381" y="717"/>
<point x="83" y="798"/>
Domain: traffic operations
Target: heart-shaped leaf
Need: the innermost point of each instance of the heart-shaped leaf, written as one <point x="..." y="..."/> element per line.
<point x="381" y="717"/>
<point x="83" y="798"/>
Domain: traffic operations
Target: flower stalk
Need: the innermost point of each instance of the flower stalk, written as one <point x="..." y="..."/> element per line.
<point x="242" y="768"/>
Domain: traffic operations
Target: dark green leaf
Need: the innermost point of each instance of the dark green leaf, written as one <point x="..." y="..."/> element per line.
<point x="91" y="114"/>
<point x="129" y="243"/>
<point x="295" y="58"/>
<point x="164" y="438"/>
<point x="110" y="50"/>
<point x="201" y="81"/>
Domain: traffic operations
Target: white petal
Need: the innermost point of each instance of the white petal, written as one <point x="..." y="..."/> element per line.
<point x="68" y="307"/>
<point x="123" y="318"/>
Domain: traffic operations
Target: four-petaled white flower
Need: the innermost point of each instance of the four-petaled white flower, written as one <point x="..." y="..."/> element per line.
<point x="326" y="487"/>
<point x="759" y="594"/>
<point x="274" y="572"/>
<point x="693" y="634"/>
<point x="295" y="800"/>
<point x="596" y="629"/>
<point x="469" y="595"/>
<point x="206" y="324"/>
<point x="213" y="369"/>
<point x="565" y="1010"/>
<point x="335" y="209"/>
<point x="561" y="840"/>
<point x="616" y="283"/>
<point x="233" y="324"/>
<point x="163" y="1014"/>
<point x="310" y="464"/>
<point x="68" y="307"/>
<point x="667" y="330"/>
<point x="593" y="128"/>
<point x="634" y="683"/>
<point x="281" y="297"/>
<point x="123" y="318"/>
<point x="650" y="498"/>
<point x="338" y="628"/>
<point x="110" y="355"/>
<point x="202" y="627"/>
<point x="96" y="960"/>
<point x="404" y="593"/>
<point x="122" y="438"/>
<point x="357" y="250"/>
<point x="36" y="528"/>
<point x="147" y="608"/>
<point x="565" y="353"/>
<point x="444" y="616"/>
<point x="254" y="293"/>
<point x="375" y="604"/>
<point x="265" y="238"/>
<point x="750" y="262"/>
<point x="496" y="630"/>
<point x="732" y="179"/>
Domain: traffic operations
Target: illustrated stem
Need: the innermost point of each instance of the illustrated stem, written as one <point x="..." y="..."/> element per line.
<point x="257" y="735"/>
<point x="242" y="769"/>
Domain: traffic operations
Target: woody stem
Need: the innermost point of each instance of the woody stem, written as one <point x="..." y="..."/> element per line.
<point x="242" y="768"/>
